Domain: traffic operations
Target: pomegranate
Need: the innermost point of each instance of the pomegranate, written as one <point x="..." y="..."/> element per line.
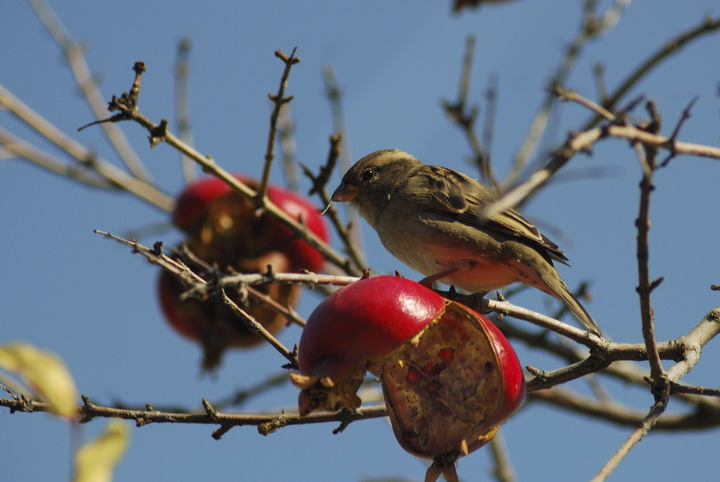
<point x="223" y="230"/>
<point x="449" y="376"/>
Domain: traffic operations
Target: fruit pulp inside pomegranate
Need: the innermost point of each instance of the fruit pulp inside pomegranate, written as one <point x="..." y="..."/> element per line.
<point x="442" y="387"/>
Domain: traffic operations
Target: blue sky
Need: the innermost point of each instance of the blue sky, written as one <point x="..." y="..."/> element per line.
<point x="88" y="299"/>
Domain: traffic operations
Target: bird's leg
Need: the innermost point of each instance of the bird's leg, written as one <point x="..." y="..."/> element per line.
<point x="429" y="280"/>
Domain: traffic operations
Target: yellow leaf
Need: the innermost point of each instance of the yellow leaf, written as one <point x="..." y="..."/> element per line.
<point x="96" y="460"/>
<point x="44" y="374"/>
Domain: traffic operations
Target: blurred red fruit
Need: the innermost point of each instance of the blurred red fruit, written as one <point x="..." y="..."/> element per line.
<point x="222" y="229"/>
<point x="449" y="376"/>
<point x="222" y="225"/>
<point x="215" y="326"/>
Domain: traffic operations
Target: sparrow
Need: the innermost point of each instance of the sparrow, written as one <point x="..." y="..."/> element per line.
<point x="429" y="218"/>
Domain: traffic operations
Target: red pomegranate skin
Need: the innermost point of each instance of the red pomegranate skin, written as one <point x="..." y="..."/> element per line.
<point x="362" y="321"/>
<point x="193" y="204"/>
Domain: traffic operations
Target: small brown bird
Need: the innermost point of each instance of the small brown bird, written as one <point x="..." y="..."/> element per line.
<point x="429" y="217"/>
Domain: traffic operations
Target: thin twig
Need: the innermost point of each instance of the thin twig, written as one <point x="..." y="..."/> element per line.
<point x="647" y="424"/>
<point x="648" y="162"/>
<point x="707" y="26"/>
<point x="583" y="142"/>
<point x="156" y="256"/>
<point x="256" y="327"/>
<point x="568" y="95"/>
<point x="694" y="390"/>
<point x="592" y="26"/>
<point x="286" y="140"/>
<point x="624" y="416"/>
<point x="465" y="116"/>
<point x="676" y="132"/>
<point x="144" y="190"/>
<point x="16" y="147"/>
<point x="561" y="156"/>
<point x="319" y="183"/>
<point x="491" y="101"/>
<point x="182" y="108"/>
<point x="333" y="91"/>
<point x="126" y="104"/>
<point x="279" y="100"/>
<point x="502" y="469"/>
<point x="75" y="57"/>
<point x="285" y="311"/>
<point x="676" y="372"/>
<point x="90" y="411"/>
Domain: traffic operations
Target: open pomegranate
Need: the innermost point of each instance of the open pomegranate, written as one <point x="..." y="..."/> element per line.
<point x="223" y="230"/>
<point x="222" y="226"/>
<point x="449" y="376"/>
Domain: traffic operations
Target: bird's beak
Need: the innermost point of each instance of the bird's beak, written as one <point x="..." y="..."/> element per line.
<point x="345" y="193"/>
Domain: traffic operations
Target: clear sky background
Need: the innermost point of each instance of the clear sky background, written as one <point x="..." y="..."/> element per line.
<point x="91" y="301"/>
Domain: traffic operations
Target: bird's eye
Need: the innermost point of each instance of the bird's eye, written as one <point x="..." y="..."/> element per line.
<point x="367" y="175"/>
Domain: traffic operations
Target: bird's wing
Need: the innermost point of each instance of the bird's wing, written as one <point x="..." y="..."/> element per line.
<point x="461" y="197"/>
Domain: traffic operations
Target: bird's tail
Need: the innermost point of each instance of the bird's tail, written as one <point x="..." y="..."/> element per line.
<point x="552" y="284"/>
<point x="578" y="310"/>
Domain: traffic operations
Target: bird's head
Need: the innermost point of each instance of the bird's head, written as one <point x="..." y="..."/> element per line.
<point x="372" y="180"/>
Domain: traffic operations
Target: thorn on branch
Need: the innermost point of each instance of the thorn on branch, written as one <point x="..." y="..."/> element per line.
<point x="540" y="374"/>
<point x="673" y="138"/>
<point x="225" y="428"/>
<point x="269" y="427"/>
<point x="656" y="283"/>
<point x="632" y="105"/>
<point x="158" y="133"/>
<point x="288" y="60"/>
<point x="126" y="103"/>
<point x="347" y="417"/>
<point x="321" y="180"/>
<point x="210" y="410"/>
<point x="655" y="119"/>
<point x="115" y="118"/>
<point x="86" y="409"/>
<point x="158" y="248"/>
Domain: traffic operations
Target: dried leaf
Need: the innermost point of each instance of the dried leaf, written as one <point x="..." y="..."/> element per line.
<point x="96" y="460"/>
<point x="44" y="374"/>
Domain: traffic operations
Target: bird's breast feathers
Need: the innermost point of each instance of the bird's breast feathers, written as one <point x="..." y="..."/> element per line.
<point x="433" y="253"/>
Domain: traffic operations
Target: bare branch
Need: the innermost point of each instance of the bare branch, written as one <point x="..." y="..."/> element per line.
<point x="127" y="106"/>
<point x="75" y="57"/>
<point x="562" y="155"/>
<point x="16" y="147"/>
<point x="286" y="140"/>
<point x="465" y="116"/>
<point x="502" y="470"/>
<point x="648" y="161"/>
<point x="709" y="25"/>
<point x="592" y="26"/>
<point x="182" y="109"/>
<point x="90" y="411"/>
<point x="646" y="425"/>
<point x="333" y="91"/>
<point x="114" y="175"/>
<point x="257" y="328"/>
<point x="319" y="187"/>
<point x="279" y="100"/>
<point x="583" y="142"/>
